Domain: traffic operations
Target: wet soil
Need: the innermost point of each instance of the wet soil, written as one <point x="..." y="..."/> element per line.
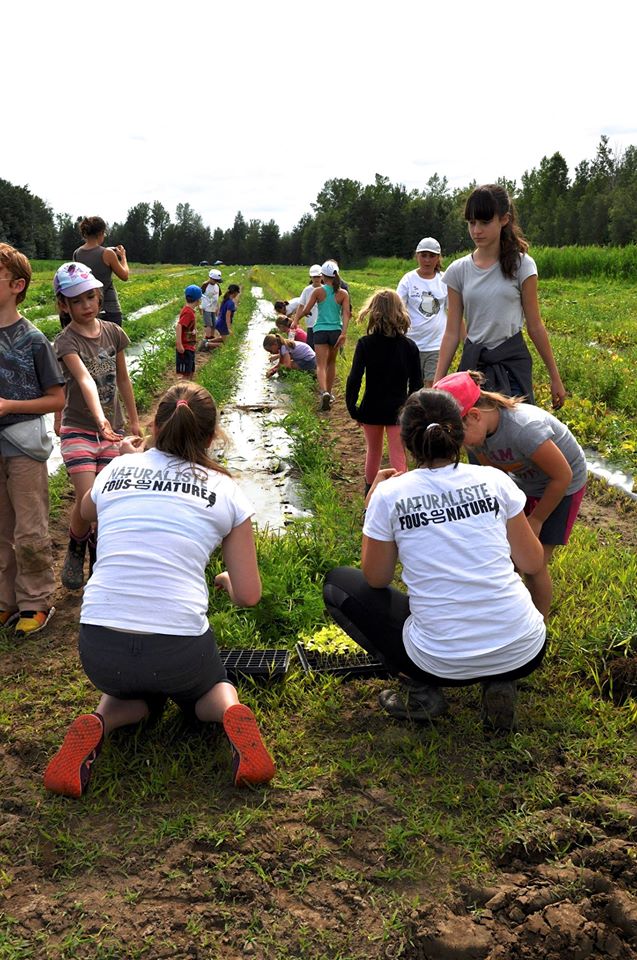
<point x="198" y="899"/>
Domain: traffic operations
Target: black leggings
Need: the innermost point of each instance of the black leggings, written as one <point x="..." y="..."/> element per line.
<point x="375" y="618"/>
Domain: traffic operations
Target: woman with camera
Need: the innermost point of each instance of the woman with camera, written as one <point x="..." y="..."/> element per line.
<point x="104" y="262"/>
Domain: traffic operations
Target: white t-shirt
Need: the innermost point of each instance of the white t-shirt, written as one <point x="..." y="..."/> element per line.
<point x="210" y="298"/>
<point x="158" y="526"/>
<point x="492" y="302"/>
<point x="312" y="316"/>
<point x="426" y="302"/>
<point x="471" y="614"/>
<point x="292" y="306"/>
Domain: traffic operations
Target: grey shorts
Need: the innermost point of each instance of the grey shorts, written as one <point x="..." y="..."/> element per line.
<point x="149" y="666"/>
<point x="428" y="364"/>
<point x="328" y="337"/>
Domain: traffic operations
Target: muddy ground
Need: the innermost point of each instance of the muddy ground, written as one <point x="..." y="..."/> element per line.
<point x="577" y="905"/>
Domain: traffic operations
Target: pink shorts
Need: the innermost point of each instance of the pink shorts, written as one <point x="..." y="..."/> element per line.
<point x="84" y="451"/>
<point x="557" y="527"/>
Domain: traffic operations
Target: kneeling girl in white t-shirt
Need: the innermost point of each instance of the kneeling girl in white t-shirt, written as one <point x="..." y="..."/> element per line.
<point x="144" y="631"/>
<point x="457" y="530"/>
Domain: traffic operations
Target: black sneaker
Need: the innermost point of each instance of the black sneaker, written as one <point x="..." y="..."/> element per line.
<point x="414" y="702"/>
<point x="73" y="569"/>
<point x="326" y="401"/>
<point x="498" y="704"/>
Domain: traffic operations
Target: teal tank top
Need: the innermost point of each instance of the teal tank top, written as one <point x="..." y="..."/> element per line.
<point x="329" y="312"/>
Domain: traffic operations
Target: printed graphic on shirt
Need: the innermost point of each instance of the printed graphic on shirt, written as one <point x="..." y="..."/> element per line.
<point x="19" y="344"/>
<point x="103" y="369"/>
<point x="503" y="460"/>
<point x="429" y="305"/>
<point x="146" y="479"/>
<point x="445" y="507"/>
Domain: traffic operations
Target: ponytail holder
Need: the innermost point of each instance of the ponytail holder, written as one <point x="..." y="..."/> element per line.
<point x="431" y="426"/>
<point x="181" y="403"/>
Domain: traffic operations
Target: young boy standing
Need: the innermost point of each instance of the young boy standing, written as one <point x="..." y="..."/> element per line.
<point x="31" y="384"/>
<point x="186" y="334"/>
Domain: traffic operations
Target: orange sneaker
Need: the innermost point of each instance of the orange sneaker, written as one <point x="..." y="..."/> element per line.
<point x="32" y="621"/>
<point x="69" y="771"/>
<point x="7" y="617"/>
<point x="252" y="764"/>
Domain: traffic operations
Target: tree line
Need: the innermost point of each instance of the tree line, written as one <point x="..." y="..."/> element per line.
<point x="352" y="221"/>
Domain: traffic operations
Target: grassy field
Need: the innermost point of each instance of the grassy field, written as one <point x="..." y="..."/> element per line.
<point x="377" y="838"/>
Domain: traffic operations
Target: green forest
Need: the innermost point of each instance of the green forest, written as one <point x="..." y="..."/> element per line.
<point x="352" y="221"/>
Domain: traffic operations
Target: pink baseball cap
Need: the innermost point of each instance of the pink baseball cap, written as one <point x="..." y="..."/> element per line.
<point x="462" y="387"/>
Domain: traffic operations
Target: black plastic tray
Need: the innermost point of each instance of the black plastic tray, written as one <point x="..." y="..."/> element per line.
<point x="265" y="664"/>
<point x="346" y="665"/>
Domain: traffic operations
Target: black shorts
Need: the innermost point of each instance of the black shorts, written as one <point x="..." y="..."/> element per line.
<point x="148" y="666"/>
<point x="330" y="337"/>
<point x="185" y="361"/>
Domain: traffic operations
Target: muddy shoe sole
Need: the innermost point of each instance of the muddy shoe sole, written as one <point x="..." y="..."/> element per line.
<point x="498" y="706"/>
<point x="326" y="401"/>
<point x="69" y="771"/>
<point x="429" y="704"/>
<point x="252" y="762"/>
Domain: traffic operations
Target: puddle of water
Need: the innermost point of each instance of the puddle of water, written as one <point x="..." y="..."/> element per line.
<point x="150" y="308"/>
<point x="258" y="449"/>
<point x="614" y="475"/>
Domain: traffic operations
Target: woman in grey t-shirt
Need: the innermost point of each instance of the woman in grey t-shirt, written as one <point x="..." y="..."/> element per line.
<point x="103" y="262"/>
<point x="494" y="290"/>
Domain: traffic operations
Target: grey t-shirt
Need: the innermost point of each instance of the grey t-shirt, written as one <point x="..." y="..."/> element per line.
<point x="28" y="367"/>
<point x="520" y="432"/>
<point x="492" y="302"/>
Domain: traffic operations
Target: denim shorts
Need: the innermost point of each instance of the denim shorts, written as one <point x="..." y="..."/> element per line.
<point x="148" y="666"/>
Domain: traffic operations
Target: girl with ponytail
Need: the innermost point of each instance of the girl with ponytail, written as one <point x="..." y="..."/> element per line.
<point x="458" y="530"/>
<point x="144" y="630"/>
<point x="494" y="290"/>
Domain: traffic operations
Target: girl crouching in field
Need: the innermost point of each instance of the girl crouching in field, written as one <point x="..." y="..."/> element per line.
<point x="144" y="631"/>
<point x="292" y="354"/>
<point x="91" y="352"/>
<point x="538" y="451"/>
<point x="457" y="530"/>
<point x="390" y="362"/>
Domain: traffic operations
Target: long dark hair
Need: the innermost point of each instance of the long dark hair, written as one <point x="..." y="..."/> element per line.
<point x="485" y="203"/>
<point x="431" y="427"/>
<point x="233" y="288"/>
<point x="184" y="429"/>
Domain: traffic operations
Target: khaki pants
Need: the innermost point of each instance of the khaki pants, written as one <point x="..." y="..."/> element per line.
<point x="26" y="573"/>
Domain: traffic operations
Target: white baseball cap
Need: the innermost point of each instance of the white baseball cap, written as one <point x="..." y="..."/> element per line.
<point x="215" y="274"/>
<point x="429" y="244"/>
<point x="315" y="270"/>
<point x="329" y="268"/>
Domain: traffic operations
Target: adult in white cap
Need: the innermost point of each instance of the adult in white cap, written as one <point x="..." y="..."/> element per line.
<point x="424" y="293"/>
<point x="306" y="293"/>
<point x="330" y="330"/>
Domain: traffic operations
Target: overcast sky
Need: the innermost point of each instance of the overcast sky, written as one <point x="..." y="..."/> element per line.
<point x="253" y="106"/>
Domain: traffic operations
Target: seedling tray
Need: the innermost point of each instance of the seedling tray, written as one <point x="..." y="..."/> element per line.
<point x="262" y="664"/>
<point x="346" y="665"/>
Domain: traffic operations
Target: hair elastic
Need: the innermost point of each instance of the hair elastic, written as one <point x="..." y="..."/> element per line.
<point x="431" y="426"/>
<point x="181" y="403"/>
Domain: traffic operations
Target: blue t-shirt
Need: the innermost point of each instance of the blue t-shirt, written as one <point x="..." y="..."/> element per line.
<point x="228" y="306"/>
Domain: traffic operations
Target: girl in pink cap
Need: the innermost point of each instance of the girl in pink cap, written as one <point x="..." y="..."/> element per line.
<point x="538" y="451"/>
<point x="91" y="353"/>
